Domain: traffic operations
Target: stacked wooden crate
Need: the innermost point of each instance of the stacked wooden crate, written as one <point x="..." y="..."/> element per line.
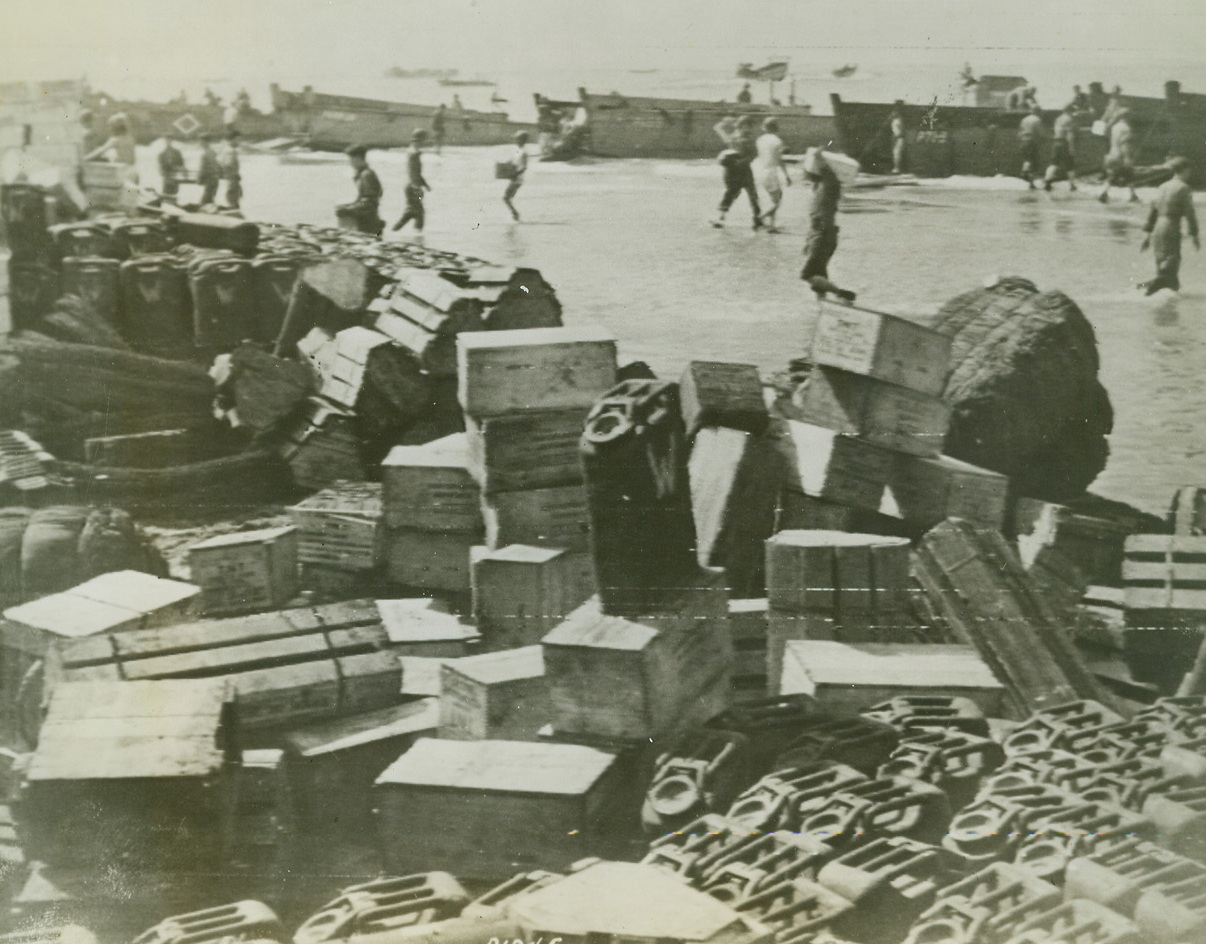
<point x="525" y="394"/>
<point x="1164" y="579"/>
<point x="833" y="585"/>
<point x="496" y="695"/>
<point x="340" y="540"/>
<point x="874" y="412"/>
<point x="432" y="513"/>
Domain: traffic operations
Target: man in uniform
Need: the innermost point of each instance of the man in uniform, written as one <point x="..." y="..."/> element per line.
<point x="1030" y="136"/>
<point x="1173" y="203"/>
<point x="171" y="167"/>
<point x="822" y="239"/>
<point x="209" y="171"/>
<point x="363" y="212"/>
<point x="1063" y="150"/>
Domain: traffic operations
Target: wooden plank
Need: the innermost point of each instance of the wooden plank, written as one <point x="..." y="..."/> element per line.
<point x="886" y="414"/>
<point x="427" y="627"/>
<point x="883" y="346"/>
<point x="1187" y="515"/>
<point x="527" y="450"/>
<point x="728" y="395"/>
<point x="534" y="369"/>
<point x="429" y="487"/>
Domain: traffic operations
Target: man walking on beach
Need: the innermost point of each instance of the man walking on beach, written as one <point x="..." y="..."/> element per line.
<point x="209" y="171"/>
<point x="364" y="211"/>
<point x="1063" y="150"/>
<point x="229" y="161"/>
<point x="737" y="159"/>
<point x="1173" y="203"/>
<point x="1030" y="136"/>
<point x="822" y="239"/>
<point x="770" y="160"/>
<point x="896" y="126"/>
<point x="519" y="167"/>
<point x="1119" y="160"/>
<point x="415" y="184"/>
<point x="171" y="167"/>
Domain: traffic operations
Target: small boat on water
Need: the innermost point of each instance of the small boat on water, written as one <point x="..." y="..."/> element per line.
<point x="397" y="72"/>
<point x="981" y="140"/>
<point x="618" y="125"/>
<point x="333" y="122"/>
<point x="845" y="71"/>
<point x="455" y="82"/>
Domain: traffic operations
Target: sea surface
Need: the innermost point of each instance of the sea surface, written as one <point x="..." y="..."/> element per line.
<point x="626" y="243"/>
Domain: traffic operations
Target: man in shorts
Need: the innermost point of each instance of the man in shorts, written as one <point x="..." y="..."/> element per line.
<point x="1030" y="137"/>
<point x="1063" y="150"/>
<point x="519" y="167"/>
<point x="415" y="183"/>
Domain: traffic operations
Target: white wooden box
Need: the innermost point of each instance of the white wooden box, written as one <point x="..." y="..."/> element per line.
<point x="429" y="487"/>
<point x="882" y="346"/>
<point x="500" y="695"/>
<point x="521" y="592"/>
<point x="245" y="571"/>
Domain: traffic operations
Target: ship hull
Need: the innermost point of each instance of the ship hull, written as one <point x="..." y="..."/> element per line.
<point x="621" y="126"/>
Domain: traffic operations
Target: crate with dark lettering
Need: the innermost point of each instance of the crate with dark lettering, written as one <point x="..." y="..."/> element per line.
<point x="273" y="277"/>
<point x="97" y="281"/>
<point x="545" y="517"/>
<point x="642" y="532"/>
<point x="531" y="449"/>
<point x="882" y="346"/>
<point x="927" y="490"/>
<point x="224" y="302"/>
<point x="833" y="466"/>
<point x="641" y="677"/>
<point x="1165" y="580"/>
<point x="534" y="369"/>
<point x="886" y="414"/>
<point x="429" y="560"/>
<point x="541" y="805"/>
<point x="429" y="487"/>
<point x="245" y="571"/>
<point x="495" y="695"/>
<point x="520" y="592"/>
<point x="156" y="314"/>
<point x="341" y="526"/>
<point x="718" y="393"/>
<point x="33" y="288"/>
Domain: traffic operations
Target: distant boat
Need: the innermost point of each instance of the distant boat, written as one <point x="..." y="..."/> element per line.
<point x="771" y="72"/>
<point x="477" y="80"/>
<point x="397" y="72"/>
<point x="845" y="71"/>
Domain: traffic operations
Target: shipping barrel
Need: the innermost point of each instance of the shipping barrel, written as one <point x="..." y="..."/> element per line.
<point x="224" y="308"/>
<point x="97" y="281"/>
<point x="156" y="306"/>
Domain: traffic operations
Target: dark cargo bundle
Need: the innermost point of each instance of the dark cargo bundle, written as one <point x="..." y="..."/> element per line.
<point x="32" y="288"/>
<point x="75" y="320"/>
<point x="97" y="281"/>
<point x="1025" y="397"/>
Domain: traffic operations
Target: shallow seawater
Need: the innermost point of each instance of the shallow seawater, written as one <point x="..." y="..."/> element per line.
<point x="627" y="244"/>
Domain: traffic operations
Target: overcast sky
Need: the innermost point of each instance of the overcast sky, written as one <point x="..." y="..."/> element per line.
<point x="190" y="39"/>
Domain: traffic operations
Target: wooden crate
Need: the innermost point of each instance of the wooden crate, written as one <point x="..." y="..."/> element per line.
<point x="487" y="809"/>
<point x="546" y="517"/>
<point x="796" y="511"/>
<point x="286" y="666"/>
<point x="718" y="393"/>
<point x="153" y="762"/>
<point x="833" y="466"/>
<point x="1094" y="545"/>
<point x="783" y="626"/>
<point x="886" y="414"/>
<point x="429" y="560"/>
<point x="331" y="765"/>
<point x="735" y="482"/>
<point x="1165" y="579"/>
<point x="647" y="677"/>
<point x="343" y="366"/>
<point x="517" y="451"/>
<point x="425" y="313"/>
<point x="925" y="491"/>
<point x="426" y="627"/>
<point x="496" y="695"/>
<point x="429" y="487"/>
<point x="534" y="369"/>
<point x="845" y="678"/>
<point x="882" y="346"/>
<point x="340" y="526"/>
<point x="245" y="571"/>
<point x="837" y="572"/>
<point x="421" y="675"/>
<point x="323" y="447"/>
<point x="749" y="631"/>
<point x="1187" y="511"/>
<point x="521" y="592"/>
